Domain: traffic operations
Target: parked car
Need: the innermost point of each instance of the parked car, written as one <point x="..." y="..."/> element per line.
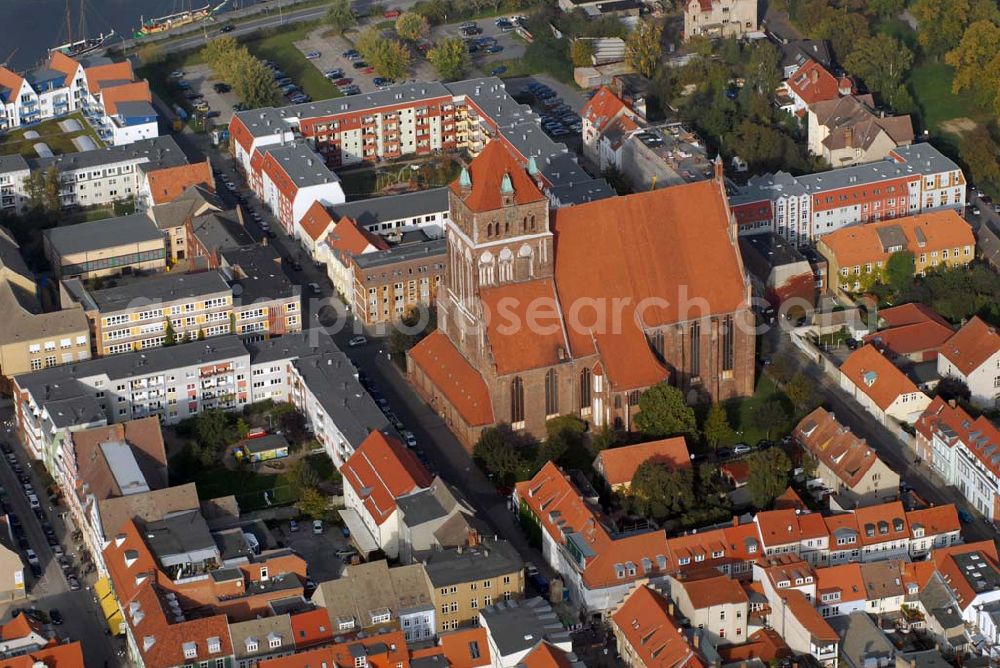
<point x="964" y="516"/>
<point x="496" y="48"/>
<point x="226" y="28"/>
<point x="222" y="88"/>
<point x="73" y="583"/>
<point x="357" y="341"/>
<point x="317" y="527"/>
<point x="313" y="55"/>
<point x="293" y="526"/>
<point x="723" y="453"/>
<point x="55" y="617"/>
<point x="334" y="74"/>
<point x="31" y="556"/>
<point x="497" y="71"/>
<point x="741" y="449"/>
<point x="344" y="81"/>
<point x="359" y="64"/>
<point x="391" y="14"/>
<point x="410" y="439"/>
<point x="350" y="53"/>
<point x="315" y="289"/>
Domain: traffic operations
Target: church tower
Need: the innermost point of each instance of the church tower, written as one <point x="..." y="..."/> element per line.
<point x="498" y="234"/>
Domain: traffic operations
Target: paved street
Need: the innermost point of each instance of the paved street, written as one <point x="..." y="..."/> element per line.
<point x="899" y="458"/>
<point x="83" y="619"/>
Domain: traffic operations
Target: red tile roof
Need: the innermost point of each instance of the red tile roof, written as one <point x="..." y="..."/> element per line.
<point x="316" y="221"/>
<point x="923" y="233"/>
<point x="956" y="577"/>
<point x="487" y="171"/>
<point x="384" y="650"/>
<point x="99" y="74"/>
<point x="618" y="465"/>
<point x="21" y="626"/>
<point x="643" y="620"/>
<point x="133" y="92"/>
<point x="765" y="645"/>
<point x="166" y="184"/>
<point x="545" y="655"/>
<point x="935" y="520"/>
<point x="782" y="527"/>
<point x="60" y="62"/>
<point x="924" y="337"/>
<point x="848" y="456"/>
<point x="843" y="578"/>
<point x="457" y="647"/>
<point x="380" y="471"/>
<point x="971" y="346"/>
<point x="11" y="80"/>
<point x="808" y="616"/>
<point x="708" y="592"/>
<point x="452" y="374"/>
<point x="909" y="314"/>
<point x="311" y="628"/>
<point x="642" y="247"/>
<point x="348" y="239"/>
<point x="524" y="325"/>
<point x="66" y="655"/>
<point x="876" y="376"/>
<point x="882" y="523"/>
<point x="813" y="83"/>
<point x="604" y="107"/>
<point x="940" y="416"/>
<point x="789" y="499"/>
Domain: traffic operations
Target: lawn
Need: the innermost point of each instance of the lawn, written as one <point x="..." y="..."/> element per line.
<point x="51" y="134"/>
<point x="280" y="48"/>
<point x="931" y="86"/>
<point x="247" y="486"/>
<point x="741" y="412"/>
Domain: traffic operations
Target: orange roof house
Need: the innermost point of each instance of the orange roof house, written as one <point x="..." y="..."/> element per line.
<point x="60" y="62"/>
<point x="618" y="465"/>
<point x="311" y="628"/>
<point x="102" y="75"/>
<point x="132" y="92"/>
<point x="846" y="463"/>
<point x="380" y="471"/>
<point x="67" y="655"/>
<point x="913" y="331"/>
<point x="812" y="83"/>
<point x="840" y="584"/>
<point x="384" y="650"/>
<point x="973" y="355"/>
<point x="165" y="185"/>
<point x="649" y="636"/>
<point x="880" y="387"/>
<point x="466" y="648"/>
<point x="602" y="108"/>
<point x="316" y="222"/>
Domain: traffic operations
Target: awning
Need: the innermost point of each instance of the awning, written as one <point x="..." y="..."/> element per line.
<point x="360" y="535"/>
<point x="109" y="605"/>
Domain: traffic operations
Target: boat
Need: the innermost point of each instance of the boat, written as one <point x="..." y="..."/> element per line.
<point x="176" y="20"/>
<point x="84" y="46"/>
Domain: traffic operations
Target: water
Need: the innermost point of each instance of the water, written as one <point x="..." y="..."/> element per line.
<point x="30" y="27"/>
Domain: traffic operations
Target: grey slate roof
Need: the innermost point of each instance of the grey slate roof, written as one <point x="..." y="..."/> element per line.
<point x="184" y="532"/>
<point x="394" y="207"/>
<point x="135" y="108"/>
<point x="490" y="559"/>
<point x="519" y="626"/>
<point x="100" y="234"/>
<point x="220" y="229"/>
<point x="301" y="344"/>
<point x="581" y="192"/>
<point x="149" y="291"/>
<point x="159" y="152"/>
<point x="260" y="276"/>
<point x="331" y="378"/>
<point x="403" y="253"/>
<point x="860" y="639"/>
<point x="13" y="163"/>
<point x="920" y="158"/>
<point x="302" y="165"/>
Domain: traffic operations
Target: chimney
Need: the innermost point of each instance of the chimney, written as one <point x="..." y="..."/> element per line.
<point x="720" y="171"/>
<point x="670" y="608"/>
<point x="951" y="402"/>
<point x="848" y="138"/>
<point x="697" y="640"/>
<point x="814" y="75"/>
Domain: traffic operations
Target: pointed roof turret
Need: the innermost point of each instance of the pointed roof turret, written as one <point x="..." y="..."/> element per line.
<point x="464" y="180"/>
<point x="532" y="166"/>
<point x="505" y="185"/>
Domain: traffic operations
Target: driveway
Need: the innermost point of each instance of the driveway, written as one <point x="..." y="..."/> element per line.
<point x="202" y="79"/>
<point x="318" y="550"/>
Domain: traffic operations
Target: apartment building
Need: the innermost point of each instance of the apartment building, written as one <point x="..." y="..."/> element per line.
<point x="122" y="245"/>
<point x="338" y="247"/>
<point x="802" y="209"/>
<point x="964" y="452"/>
<point x="526" y="633"/>
<point x="54" y="89"/>
<point x="464" y="581"/>
<point x="846" y="464"/>
<point x="857" y="256"/>
<point x="388" y="283"/>
<point x="100" y="176"/>
<point x="265" y="302"/>
<point x="372" y="598"/>
<point x="290" y="179"/>
<point x="14" y="173"/>
<point x="647" y="634"/>
<point x="719" y="18"/>
<point x="12" y="583"/>
<point x="972" y="355"/>
<point x="719" y="606"/>
<point x="391" y="216"/>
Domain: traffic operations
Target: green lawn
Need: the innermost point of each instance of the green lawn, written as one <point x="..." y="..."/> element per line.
<point x="931" y="86"/>
<point x="741" y="412"/>
<point x="280" y="48"/>
<point x="246" y="485"/>
<point x="51" y="134"/>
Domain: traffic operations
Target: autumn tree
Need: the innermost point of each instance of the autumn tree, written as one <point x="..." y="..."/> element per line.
<point x="642" y="48"/>
<point x="768" y="476"/>
<point x="801" y="391"/>
<point x="763" y="72"/>
<point x="340" y="17"/>
<point x="502" y="452"/>
<point x="976" y="60"/>
<point x="770" y="416"/>
<point x="979" y="152"/>
<point x="150" y="53"/>
<point x="412" y="26"/>
<point x="881" y="62"/>
<point x="940" y="23"/>
<point x="450" y="58"/>
<point x="43" y="187"/>
<point x="581" y="52"/>
<point x="663" y="412"/>
<point x="313" y="503"/>
<point x="659" y="491"/>
<point x="716" y="428"/>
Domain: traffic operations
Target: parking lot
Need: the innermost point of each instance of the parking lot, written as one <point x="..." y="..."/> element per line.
<point x="491" y="45"/>
<point x="200" y="80"/>
<point x="319" y="550"/>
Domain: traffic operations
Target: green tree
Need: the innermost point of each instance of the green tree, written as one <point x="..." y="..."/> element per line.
<point x="659" y="491"/>
<point x="220" y="54"/>
<point x="214" y="429"/>
<point x="201" y="333"/>
<point x="450" y="58"/>
<point x="642" y="48"/>
<point x="313" y="504"/>
<point x="979" y="152"/>
<point x="581" y="52"/>
<point x="801" y="392"/>
<point x="783" y="367"/>
<point x="882" y="62"/>
<point x="886" y="9"/>
<point x="416" y="323"/>
<point x="412" y="26"/>
<point x="150" y="53"/>
<point x="940" y="23"/>
<point x="501" y="452"/>
<point x="305" y="475"/>
<point x="42" y="188"/>
<point x="899" y="271"/>
<point x="976" y="60"/>
<point x="340" y="17"/>
<point x="662" y="412"/>
<point x="169" y="336"/>
<point x="254" y="83"/>
<point x="716" y="428"/>
<point x="603" y="439"/>
<point x="770" y="416"/>
<point x="764" y="68"/>
<point x="769" y="472"/>
<point x="952" y="388"/>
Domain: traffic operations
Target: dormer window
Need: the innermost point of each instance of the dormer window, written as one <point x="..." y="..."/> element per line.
<point x="273" y="641"/>
<point x="252" y="645"/>
<point x="214" y="645"/>
<point x="190" y="650"/>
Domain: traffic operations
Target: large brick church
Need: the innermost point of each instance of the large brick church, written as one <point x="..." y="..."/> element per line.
<point x="577" y="310"/>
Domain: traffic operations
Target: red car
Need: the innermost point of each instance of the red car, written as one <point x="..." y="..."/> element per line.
<point x="391" y="14"/>
<point x="344" y="82"/>
<point x="369" y="70"/>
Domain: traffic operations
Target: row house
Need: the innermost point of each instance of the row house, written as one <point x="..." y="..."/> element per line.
<point x="97" y="177"/>
<point x="972" y="355"/>
<point x="972" y="573"/>
<point x="647" y="632"/>
<point x="910" y="332"/>
<point x="718" y="606"/>
<point x="912" y="179"/>
<point x="880" y="387"/>
<point x="964" y="451"/>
